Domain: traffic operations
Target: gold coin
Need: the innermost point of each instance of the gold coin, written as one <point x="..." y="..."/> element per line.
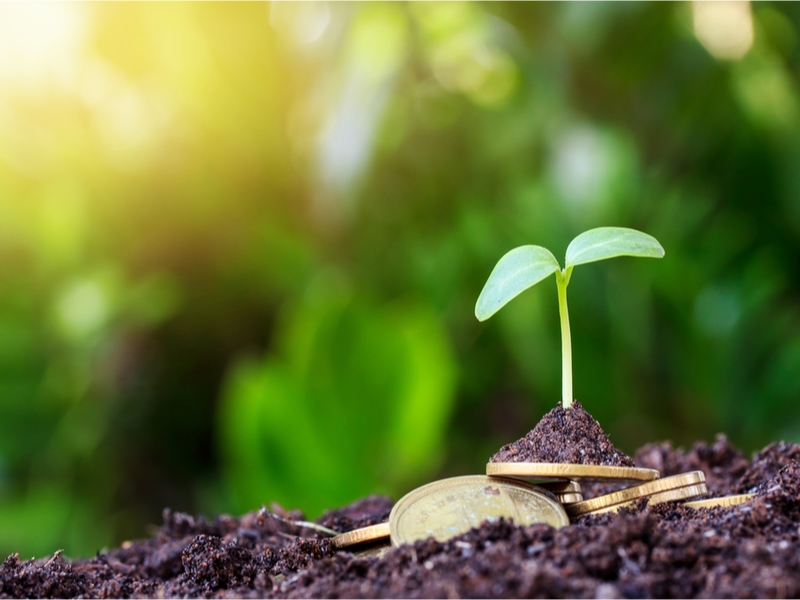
<point x="569" y="471"/>
<point x="377" y="550"/>
<point x="569" y="498"/>
<point x="364" y="535"/>
<point x="447" y="508"/>
<point x="683" y="493"/>
<point x="561" y="487"/>
<point x="725" y="501"/>
<point x="642" y="490"/>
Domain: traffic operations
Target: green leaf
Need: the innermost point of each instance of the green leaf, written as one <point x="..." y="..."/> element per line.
<point x="518" y="270"/>
<point x="608" y="242"/>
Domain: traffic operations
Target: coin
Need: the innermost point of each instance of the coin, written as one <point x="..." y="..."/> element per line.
<point x="569" y="498"/>
<point x="364" y="535"/>
<point x="566" y="492"/>
<point x="561" y="487"/>
<point x="544" y="471"/>
<point x="642" y="490"/>
<point x="682" y="493"/>
<point x="446" y="508"/>
<point x="376" y="550"/>
<point x="725" y="501"/>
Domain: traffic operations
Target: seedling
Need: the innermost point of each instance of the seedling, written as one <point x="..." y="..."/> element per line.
<point x="525" y="266"/>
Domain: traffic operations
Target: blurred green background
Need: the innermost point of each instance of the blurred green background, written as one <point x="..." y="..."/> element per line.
<point x="240" y="244"/>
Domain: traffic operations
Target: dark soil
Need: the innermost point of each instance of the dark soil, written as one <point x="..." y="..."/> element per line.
<point x="565" y="436"/>
<point x="725" y="467"/>
<point x="361" y="513"/>
<point x="668" y="550"/>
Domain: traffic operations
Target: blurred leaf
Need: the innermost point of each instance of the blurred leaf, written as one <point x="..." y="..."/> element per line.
<point x="46" y="519"/>
<point x="357" y="400"/>
<point x="418" y="423"/>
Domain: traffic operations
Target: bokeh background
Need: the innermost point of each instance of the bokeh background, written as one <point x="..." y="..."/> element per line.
<point x="240" y="244"/>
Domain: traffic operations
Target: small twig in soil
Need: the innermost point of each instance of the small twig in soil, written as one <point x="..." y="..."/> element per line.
<point x="308" y="524"/>
<point x="56" y="554"/>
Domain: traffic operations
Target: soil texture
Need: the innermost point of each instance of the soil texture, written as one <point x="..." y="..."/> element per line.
<point x="752" y="550"/>
<point x="565" y="436"/>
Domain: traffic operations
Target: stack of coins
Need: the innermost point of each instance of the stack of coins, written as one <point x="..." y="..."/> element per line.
<point x="449" y="507"/>
<point x="669" y="489"/>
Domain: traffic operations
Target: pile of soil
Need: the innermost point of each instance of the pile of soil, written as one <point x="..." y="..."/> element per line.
<point x="565" y="436"/>
<point x="662" y="551"/>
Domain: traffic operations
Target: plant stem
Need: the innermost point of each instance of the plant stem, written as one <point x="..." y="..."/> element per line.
<point x="562" y="281"/>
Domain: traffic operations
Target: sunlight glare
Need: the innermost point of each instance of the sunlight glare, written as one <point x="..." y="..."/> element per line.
<point x="301" y="22"/>
<point x="39" y="41"/>
<point x="724" y="28"/>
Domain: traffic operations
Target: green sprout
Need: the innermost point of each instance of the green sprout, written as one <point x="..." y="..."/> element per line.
<point x="525" y="266"/>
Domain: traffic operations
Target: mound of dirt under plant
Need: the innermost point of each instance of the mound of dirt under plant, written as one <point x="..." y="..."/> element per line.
<point x="565" y="436"/>
<point x="668" y="550"/>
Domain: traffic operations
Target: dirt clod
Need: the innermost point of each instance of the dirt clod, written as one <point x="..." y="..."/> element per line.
<point x="210" y="563"/>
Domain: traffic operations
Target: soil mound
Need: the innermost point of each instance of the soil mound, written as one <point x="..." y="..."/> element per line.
<point x="565" y="436"/>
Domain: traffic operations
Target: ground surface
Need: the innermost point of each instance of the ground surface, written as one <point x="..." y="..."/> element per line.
<point x="666" y="551"/>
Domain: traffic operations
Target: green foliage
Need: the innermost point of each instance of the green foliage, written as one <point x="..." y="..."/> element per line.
<point x="524" y="267"/>
<point x="354" y="401"/>
<point x="51" y="517"/>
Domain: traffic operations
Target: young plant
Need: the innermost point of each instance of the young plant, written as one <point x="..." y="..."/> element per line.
<point x="526" y="266"/>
